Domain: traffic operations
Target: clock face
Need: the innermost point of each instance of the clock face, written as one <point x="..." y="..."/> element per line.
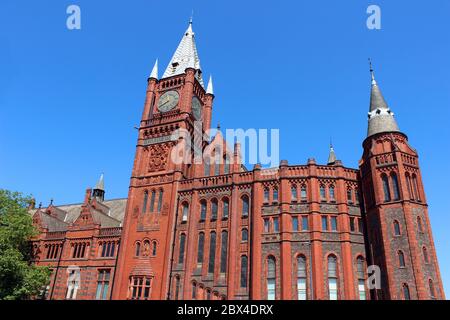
<point x="168" y="101"/>
<point x="196" y="108"/>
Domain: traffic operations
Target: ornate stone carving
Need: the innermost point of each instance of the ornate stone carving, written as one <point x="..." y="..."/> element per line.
<point x="158" y="157"/>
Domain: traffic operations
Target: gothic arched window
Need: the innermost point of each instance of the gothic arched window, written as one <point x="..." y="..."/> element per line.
<point x="361" y="278"/>
<point x="245" y="206"/>
<point x="185" y="212"/>
<point x="331" y="193"/>
<point x="293" y="192"/>
<point x="419" y="224"/>
<point x="332" y="278"/>
<point x="202" y="210"/>
<point x="431" y="286"/>
<point x="244" y="235"/>
<point x="224" y="252"/>
<point x="416" y="187"/>
<point x="212" y="252"/>
<point x="395" y="186"/>
<point x="244" y="271"/>
<point x="160" y="199"/>
<point x="225" y="208"/>
<point x="397" y="231"/>
<point x="213" y="209"/>
<point x="201" y="247"/>
<point x="425" y="255"/>
<point x="271" y="278"/>
<point x="386" y="190"/>
<point x="406" y="294"/>
<point x="138" y="249"/>
<point x="144" y="205"/>
<point x="301" y="277"/>
<point x="182" y="247"/>
<point x="152" y="201"/>
<point x="401" y="259"/>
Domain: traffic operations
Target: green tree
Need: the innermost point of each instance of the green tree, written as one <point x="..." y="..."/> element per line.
<point x="19" y="279"/>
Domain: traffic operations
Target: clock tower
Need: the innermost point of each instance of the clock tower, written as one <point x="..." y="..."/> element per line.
<point x="174" y="103"/>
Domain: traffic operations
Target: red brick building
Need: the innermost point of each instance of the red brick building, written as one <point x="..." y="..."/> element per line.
<point x="218" y="230"/>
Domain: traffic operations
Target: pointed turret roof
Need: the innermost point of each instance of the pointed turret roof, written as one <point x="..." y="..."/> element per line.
<point x="209" y="88"/>
<point x="154" y="73"/>
<point x="381" y="118"/>
<point x="185" y="56"/>
<point x="100" y="183"/>
<point x="331" y="156"/>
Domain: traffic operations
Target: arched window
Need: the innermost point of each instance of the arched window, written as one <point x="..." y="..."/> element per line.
<point x="214" y="209"/>
<point x="425" y="255"/>
<point x="397" y="231"/>
<point x="361" y="278"/>
<point x="431" y="286"/>
<point x="154" y="248"/>
<point x="185" y="212"/>
<point x="208" y="294"/>
<point x="144" y="204"/>
<point x="386" y="190"/>
<point x="244" y="235"/>
<point x="201" y="247"/>
<point x="212" y="252"/>
<point x="202" y="210"/>
<point x="160" y="199"/>
<point x="224" y="252"/>
<point x="266" y="194"/>
<point x="331" y="193"/>
<point x="244" y="271"/>
<point x="293" y="192"/>
<point x="271" y="278"/>
<point x="275" y="194"/>
<point x="301" y="278"/>
<point x="138" y="249"/>
<point x="401" y="259"/>
<point x="419" y="224"/>
<point x="225" y="209"/>
<point x="303" y="193"/>
<point x="194" y="290"/>
<point x="182" y="245"/>
<point x="245" y="206"/>
<point x="332" y="278"/>
<point x="152" y="201"/>
<point x="406" y="294"/>
<point x="323" y="195"/>
<point x="416" y="187"/>
<point x="395" y="186"/>
<point x="408" y="182"/>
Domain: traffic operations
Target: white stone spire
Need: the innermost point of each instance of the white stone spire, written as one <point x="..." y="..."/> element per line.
<point x="209" y="88"/>
<point x="185" y="56"/>
<point x="154" y="73"/>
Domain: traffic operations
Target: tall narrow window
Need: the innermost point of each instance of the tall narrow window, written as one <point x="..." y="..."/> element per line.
<point x="395" y="186"/>
<point x="333" y="223"/>
<point x="194" y="290"/>
<point x="293" y="193"/>
<point x="144" y="204"/>
<point x="332" y="278"/>
<point x="331" y="192"/>
<point x="397" y="228"/>
<point x="324" y="223"/>
<point x="212" y="252"/>
<point x="303" y="193"/>
<point x="266" y="194"/>
<point x="276" y="225"/>
<point x="271" y="278"/>
<point x="386" y="190"/>
<point x="361" y="278"/>
<point x="245" y="206"/>
<point x="201" y="247"/>
<point x="425" y="255"/>
<point x="323" y="195"/>
<point x="73" y="283"/>
<point x="203" y="210"/>
<point x="352" y="224"/>
<point x="401" y="259"/>
<point x="226" y="168"/>
<point x="160" y="199"/>
<point x="349" y="195"/>
<point x="177" y="287"/>
<point x="301" y="278"/>
<point x="408" y="182"/>
<point x="266" y="225"/>
<point x="244" y="271"/>
<point x="225" y="209"/>
<point x="214" y="209"/>
<point x="182" y="245"/>
<point x="154" y="248"/>
<point x="244" y="235"/>
<point x="275" y="194"/>
<point x="305" y="223"/>
<point x="224" y="252"/>
<point x="152" y="201"/>
<point x="419" y="224"/>
<point x="432" y="292"/>
<point x="294" y="224"/>
<point x="185" y="212"/>
<point x="406" y="294"/>
<point x="138" y="249"/>
<point x="102" y="284"/>
<point x="416" y="187"/>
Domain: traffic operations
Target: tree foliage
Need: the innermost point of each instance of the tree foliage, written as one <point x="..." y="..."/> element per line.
<point x="19" y="279"/>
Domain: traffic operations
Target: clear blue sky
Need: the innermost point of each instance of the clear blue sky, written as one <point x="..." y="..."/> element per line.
<point x="69" y="99"/>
